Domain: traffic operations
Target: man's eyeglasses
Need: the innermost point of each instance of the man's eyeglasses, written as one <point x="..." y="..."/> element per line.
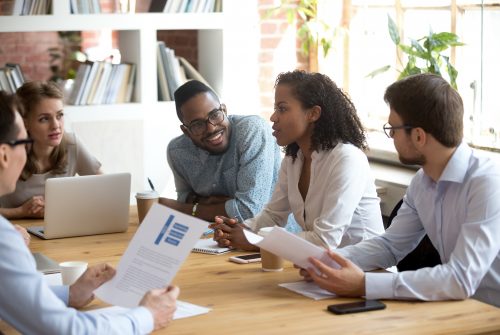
<point x="215" y="118"/>
<point x="389" y="130"/>
<point x="23" y="141"/>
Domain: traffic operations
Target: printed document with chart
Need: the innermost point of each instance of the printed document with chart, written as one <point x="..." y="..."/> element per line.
<point x="153" y="256"/>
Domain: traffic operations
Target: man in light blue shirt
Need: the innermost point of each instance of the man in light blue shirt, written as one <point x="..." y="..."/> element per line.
<point x="26" y="301"/>
<point x="222" y="165"/>
<point x="454" y="199"/>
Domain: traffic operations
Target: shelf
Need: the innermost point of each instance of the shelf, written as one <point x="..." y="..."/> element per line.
<point x="139" y="21"/>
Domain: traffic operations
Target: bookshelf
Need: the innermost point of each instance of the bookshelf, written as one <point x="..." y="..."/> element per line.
<point x="133" y="137"/>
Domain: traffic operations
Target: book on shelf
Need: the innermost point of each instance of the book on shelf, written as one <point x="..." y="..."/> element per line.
<point x="103" y="83"/>
<point x="187" y="6"/>
<point x="209" y="246"/>
<point x="191" y="72"/>
<point x="80" y="79"/>
<point x="163" y="92"/>
<point x="85" y="7"/>
<point x="157" y="6"/>
<point x="122" y="92"/>
<point x="173" y="72"/>
<point x="32" y="7"/>
<point x="11" y="77"/>
<point x="4" y="82"/>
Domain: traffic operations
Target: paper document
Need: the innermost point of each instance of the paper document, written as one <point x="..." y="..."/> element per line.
<point x="184" y="310"/>
<point x="291" y="247"/>
<point x="153" y="256"/>
<point x="308" y="289"/>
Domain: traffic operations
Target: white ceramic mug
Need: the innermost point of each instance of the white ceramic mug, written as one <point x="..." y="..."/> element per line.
<point x="71" y="271"/>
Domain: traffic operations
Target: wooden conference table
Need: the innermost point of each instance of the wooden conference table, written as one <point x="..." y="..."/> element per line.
<point x="245" y="300"/>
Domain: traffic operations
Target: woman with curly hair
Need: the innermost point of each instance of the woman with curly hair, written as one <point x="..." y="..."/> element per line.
<point x="54" y="152"/>
<point x="325" y="180"/>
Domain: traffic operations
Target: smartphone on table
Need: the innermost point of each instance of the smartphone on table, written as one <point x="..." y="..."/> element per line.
<point x="356" y="307"/>
<point x="244" y="259"/>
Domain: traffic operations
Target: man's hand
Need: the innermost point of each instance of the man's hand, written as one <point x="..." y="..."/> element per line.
<point x="24" y="234"/>
<point x="162" y="304"/>
<point x="82" y="291"/>
<point x="348" y="281"/>
<point x="33" y="208"/>
<point x="229" y="233"/>
<point x="171" y="203"/>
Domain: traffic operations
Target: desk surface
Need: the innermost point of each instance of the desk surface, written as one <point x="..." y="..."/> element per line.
<point x="245" y="300"/>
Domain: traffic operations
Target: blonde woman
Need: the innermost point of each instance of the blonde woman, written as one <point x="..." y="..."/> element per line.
<point x="53" y="153"/>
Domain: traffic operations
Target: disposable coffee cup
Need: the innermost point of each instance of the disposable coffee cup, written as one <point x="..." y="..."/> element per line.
<point x="144" y="202"/>
<point x="71" y="271"/>
<point x="270" y="262"/>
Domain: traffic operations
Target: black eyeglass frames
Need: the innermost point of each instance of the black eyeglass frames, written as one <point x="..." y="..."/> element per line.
<point x="22" y="141"/>
<point x="215" y="118"/>
<point x="389" y="130"/>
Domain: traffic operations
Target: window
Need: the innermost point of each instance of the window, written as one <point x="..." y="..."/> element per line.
<point x="366" y="45"/>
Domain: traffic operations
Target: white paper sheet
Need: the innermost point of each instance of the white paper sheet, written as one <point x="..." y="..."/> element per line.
<point x="291" y="247"/>
<point x="153" y="256"/>
<point x="308" y="289"/>
<point x="184" y="310"/>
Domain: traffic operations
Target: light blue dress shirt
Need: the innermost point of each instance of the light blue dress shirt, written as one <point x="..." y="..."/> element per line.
<point x="32" y="307"/>
<point x="246" y="172"/>
<point x="461" y="215"/>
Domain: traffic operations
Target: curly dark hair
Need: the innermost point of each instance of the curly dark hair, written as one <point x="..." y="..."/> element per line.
<point x="338" y="123"/>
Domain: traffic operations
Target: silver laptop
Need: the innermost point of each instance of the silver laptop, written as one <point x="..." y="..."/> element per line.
<point x="85" y="205"/>
<point x="45" y="264"/>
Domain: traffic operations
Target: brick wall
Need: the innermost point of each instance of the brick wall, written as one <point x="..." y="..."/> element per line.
<point x="30" y="50"/>
<point x="279" y="52"/>
<point x="277" y="39"/>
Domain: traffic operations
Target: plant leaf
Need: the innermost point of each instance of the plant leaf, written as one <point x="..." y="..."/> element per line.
<point x="378" y="71"/>
<point x="393" y="30"/>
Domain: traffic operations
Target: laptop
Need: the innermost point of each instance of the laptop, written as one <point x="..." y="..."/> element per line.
<point x="85" y="205"/>
<point x="45" y="264"/>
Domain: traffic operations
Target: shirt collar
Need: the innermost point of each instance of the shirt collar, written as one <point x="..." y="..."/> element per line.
<point x="458" y="164"/>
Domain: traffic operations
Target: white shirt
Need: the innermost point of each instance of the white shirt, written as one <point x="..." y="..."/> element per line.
<point x="461" y="215"/>
<point x="341" y="207"/>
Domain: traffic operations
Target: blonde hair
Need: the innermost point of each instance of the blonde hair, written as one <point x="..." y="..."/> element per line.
<point x="30" y="95"/>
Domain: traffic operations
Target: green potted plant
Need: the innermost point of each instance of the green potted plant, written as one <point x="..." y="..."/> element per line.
<point x="424" y="55"/>
<point x="65" y="58"/>
<point x="312" y="32"/>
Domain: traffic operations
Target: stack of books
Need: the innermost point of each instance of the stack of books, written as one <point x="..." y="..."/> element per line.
<point x="32" y="7"/>
<point x="103" y="83"/>
<point x="185" y="6"/>
<point x="173" y="72"/>
<point x="11" y="78"/>
<point x="85" y="7"/>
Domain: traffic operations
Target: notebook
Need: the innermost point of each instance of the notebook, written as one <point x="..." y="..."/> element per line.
<point x="45" y="264"/>
<point x="209" y="246"/>
<point x="85" y="205"/>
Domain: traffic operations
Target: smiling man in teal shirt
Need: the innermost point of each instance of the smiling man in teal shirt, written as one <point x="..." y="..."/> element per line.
<point x="222" y="165"/>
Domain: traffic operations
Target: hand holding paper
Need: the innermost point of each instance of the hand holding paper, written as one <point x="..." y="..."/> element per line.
<point x="153" y="257"/>
<point x="290" y="247"/>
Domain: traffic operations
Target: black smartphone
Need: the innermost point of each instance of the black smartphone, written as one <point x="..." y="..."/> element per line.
<point x="251" y="258"/>
<point x="356" y="307"/>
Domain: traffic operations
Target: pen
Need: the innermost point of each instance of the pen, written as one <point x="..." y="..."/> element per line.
<point x="208" y="232"/>
<point x="151" y="184"/>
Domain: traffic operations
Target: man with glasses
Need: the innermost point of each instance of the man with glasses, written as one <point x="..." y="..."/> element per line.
<point x="222" y="165"/>
<point x="27" y="302"/>
<point x="454" y="199"/>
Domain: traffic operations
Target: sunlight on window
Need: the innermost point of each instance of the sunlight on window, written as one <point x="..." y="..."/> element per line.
<point x="367" y="46"/>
